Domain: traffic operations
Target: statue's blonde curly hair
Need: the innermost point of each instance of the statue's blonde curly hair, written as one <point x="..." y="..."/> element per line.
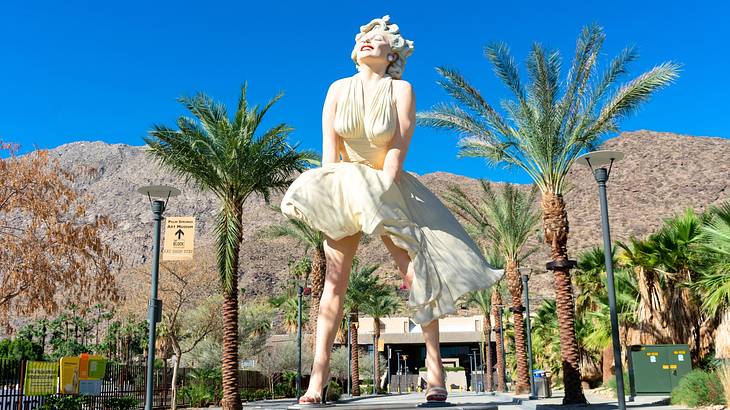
<point x="399" y="45"/>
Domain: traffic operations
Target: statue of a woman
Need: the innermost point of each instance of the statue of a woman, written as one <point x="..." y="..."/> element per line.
<point x="368" y="120"/>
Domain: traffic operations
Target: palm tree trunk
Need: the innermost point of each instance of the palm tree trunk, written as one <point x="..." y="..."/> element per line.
<point x="487" y="329"/>
<point x="376" y="358"/>
<point x="499" y="328"/>
<point x="514" y="283"/>
<point x="555" y="225"/>
<point x="229" y="363"/>
<point x="607" y="363"/>
<point x="319" y="268"/>
<point x="355" y="363"/>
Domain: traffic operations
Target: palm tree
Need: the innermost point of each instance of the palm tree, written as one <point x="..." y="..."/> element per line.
<point x="482" y="299"/>
<point x="499" y="329"/>
<point x="224" y="156"/>
<point x="714" y="284"/>
<point x="593" y="309"/>
<point x="364" y="286"/>
<point x="665" y="263"/>
<point x="379" y="306"/>
<point x="547" y="127"/>
<point x="312" y="239"/>
<point x="506" y="220"/>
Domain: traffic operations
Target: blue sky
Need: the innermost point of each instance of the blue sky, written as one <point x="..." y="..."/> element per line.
<point x="95" y="70"/>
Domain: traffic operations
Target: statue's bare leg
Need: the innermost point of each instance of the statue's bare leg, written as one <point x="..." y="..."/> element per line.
<point x="431" y="330"/>
<point x="339" y="256"/>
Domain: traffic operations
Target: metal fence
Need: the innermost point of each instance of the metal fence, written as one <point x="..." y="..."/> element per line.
<point x="119" y="381"/>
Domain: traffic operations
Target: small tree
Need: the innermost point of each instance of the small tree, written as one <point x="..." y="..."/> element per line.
<point x="379" y="306"/>
<point x="51" y="248"/>
<point x="363" y="287"/>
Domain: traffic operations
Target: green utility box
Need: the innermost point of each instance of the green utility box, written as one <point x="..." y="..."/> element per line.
<point x="657" y="369"/>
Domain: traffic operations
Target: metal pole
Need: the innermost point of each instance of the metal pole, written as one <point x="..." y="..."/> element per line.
<point x="349" y="355"/>
<point x="526" y="296"/>
<point x="472" y="368"/>
<point x="601" y="175"/>
<point x="504" y="356"/>
<point x="389" y="389"/>
<point x="375" y="351"/>
<point x="154" y="308"/>
<point x="398" y="372"/>
<point x="300" y="292"/>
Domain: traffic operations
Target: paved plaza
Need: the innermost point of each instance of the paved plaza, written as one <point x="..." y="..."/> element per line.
<point x="470" y="401"/>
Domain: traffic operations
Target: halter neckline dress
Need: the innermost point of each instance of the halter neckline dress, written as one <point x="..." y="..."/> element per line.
<point x="355" y="195"/>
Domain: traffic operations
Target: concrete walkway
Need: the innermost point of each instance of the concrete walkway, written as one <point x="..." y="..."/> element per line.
<point x="471" y="401"/>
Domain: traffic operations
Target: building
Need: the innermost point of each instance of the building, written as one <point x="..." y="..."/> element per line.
<point x="402" y="346"/>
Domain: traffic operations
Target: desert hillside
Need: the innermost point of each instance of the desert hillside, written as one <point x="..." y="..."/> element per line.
<point x="662" y="174"/>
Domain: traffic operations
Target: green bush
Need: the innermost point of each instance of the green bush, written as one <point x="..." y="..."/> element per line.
<point x="612" y="384"/>
<point x="121" y="403"/>
<point x="20" y="349"/>
<point x="63" y="403"/>
<point x="203" y="387"/>
<point x="284" y="390"/>
<point x="699" y="388"/>
<point x="334" y="391"/>
<point x="197" y="394"/>
<point x="447" y="368"/>
<point x="253" y="395"/>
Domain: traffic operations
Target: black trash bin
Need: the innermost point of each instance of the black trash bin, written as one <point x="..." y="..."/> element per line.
<point x="542" y="384"/>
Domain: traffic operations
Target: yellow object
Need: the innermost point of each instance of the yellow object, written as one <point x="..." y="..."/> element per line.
<point x="672" y="366"/>
<point x="343" y="198"/>
<point x="665" y="366"/>
<point x="69" y="372"/>
<point x="179" y="238"/>
<point x="41" y="378"/>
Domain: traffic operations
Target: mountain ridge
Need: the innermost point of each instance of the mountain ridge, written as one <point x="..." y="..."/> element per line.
<point x="663" y="173"/>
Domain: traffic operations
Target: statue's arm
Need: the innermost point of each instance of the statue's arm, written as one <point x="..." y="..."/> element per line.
<point x="330" y="139"/>
<point x="405" y="102"/>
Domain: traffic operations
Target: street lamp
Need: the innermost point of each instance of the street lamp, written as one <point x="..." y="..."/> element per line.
<point x="388" y="389"/>
<point x="525" y="274"/>
<point x="475" y="366"/>
<point x="601" y="160"/>
<point x="349" y="354"/>
<point x="302" y="291"/>
<point x="154" y="307"/>
<point x="398" y="372"/>
<point x="375" y="351"/>
<point x="500" y="310"/>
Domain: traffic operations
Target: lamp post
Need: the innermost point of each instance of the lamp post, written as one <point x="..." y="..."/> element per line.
<point x="398" y="372"/>
<point x="471" y="368"/>
<point x="500" y="310"/>
<point x="301" y="292"/>
<point x="349" y="356"/>
<point x="525" y="274"/>
<point x="375" y="351"/>
<point x="389" y="385"/>
<point x="601" y="160"/>
<point x="474" y="376"/>
<point x="154" y="307"/>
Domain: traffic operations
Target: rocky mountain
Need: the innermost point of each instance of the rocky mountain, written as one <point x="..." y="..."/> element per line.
<point x="662" y="174"/>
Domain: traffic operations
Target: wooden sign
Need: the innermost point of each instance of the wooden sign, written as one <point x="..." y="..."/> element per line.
<point x="179" y="238"/>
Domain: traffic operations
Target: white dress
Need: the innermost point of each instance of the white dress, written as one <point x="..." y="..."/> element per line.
<point x="355" y="195"/>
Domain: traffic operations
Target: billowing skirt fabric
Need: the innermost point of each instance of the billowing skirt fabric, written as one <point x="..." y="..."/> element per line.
<point x="344" y="198"/>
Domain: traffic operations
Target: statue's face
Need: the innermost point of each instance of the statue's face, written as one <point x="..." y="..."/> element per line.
<point x="373" y="45"/>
